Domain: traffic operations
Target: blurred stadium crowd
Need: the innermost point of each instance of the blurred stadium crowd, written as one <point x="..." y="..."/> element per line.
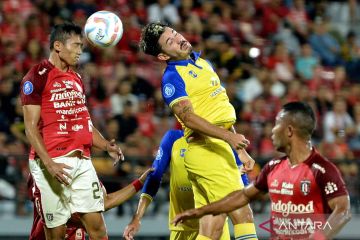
<point x="266" y="52"/>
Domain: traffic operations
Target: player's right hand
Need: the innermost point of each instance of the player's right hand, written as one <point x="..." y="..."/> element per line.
<point x="57" y="171"/>
<point x="237" y="141"/>
<point x="131" y="229"/>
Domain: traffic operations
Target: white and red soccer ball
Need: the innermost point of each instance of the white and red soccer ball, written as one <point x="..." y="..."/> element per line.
<point x="103" y="29"/>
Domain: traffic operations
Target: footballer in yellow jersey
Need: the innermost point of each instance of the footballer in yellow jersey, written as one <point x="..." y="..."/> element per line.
<point x="192" y="89"/>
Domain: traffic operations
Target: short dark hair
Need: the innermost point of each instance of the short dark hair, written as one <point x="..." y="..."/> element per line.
<point x="149" y="41"/>
<point x="302" y="117"/>
<point x="62" y="32"/>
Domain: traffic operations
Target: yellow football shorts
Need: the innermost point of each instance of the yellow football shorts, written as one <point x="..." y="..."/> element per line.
<point x="212" y="170"/>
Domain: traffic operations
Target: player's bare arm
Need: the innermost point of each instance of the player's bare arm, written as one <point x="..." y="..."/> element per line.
<point x="111" y="147"/>
<point x="116" y="198"/>
<point x="31" y="120"/>
<point x="340" y="215"/>
<point x="234" y="200"/>
<point x="184" y="110"/>
<point x="133" y="227"/>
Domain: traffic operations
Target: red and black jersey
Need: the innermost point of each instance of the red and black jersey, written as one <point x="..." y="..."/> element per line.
<point x="299" y="194"/>
<point x="65" y="123"/>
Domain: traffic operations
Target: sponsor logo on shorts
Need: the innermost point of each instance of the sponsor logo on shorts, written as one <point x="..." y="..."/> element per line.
<point x="169" y="90"/>
<point x="28" y="88"/>
<point x="50" y="217"/>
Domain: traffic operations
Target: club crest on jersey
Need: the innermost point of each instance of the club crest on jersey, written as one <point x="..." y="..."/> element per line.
<point x="169" y="90"/>
<point x="192" y="73"/>
<point x="305" y="187"/>
<point x="28" y="88"/>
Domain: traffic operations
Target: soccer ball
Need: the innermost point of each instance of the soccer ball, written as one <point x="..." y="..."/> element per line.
<point x="103" y="29"/>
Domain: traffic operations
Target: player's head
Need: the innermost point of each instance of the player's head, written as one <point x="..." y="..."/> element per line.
<point x="66" y="41"/>
<point x="163" y="42"/>
<point x="296" y="120"/>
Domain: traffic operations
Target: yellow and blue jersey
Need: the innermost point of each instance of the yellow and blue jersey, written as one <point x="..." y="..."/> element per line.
<point x="171" y="153"/>
<point x="196" y="80"/>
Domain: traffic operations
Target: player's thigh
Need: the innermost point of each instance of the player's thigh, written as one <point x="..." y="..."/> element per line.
<point x="94" y="223"/>
<point x="86" y="191"/>
<point x="212" y="171"/>
<point x="53" y="199"/>
<point x="183" y="235"/>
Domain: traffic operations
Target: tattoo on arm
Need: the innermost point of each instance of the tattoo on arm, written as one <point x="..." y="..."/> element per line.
<point x="182" y="108"/>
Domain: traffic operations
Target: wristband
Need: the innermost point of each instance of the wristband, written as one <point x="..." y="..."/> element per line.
<point x="137" y="184"/>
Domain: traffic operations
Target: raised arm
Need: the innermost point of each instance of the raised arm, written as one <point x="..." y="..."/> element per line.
<point x="31" y="120"/>
<point x="184" y="110"/>
<point x="234" y="200"/>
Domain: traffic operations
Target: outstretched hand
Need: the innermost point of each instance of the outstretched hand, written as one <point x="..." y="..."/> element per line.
<point x="114" y="151"/>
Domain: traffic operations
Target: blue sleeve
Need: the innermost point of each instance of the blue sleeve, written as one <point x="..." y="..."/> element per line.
<point x="172" y="86"/>
<point x="161" y="162"/>
<point x="237" y="159"/>
<point x="244" y="176"/>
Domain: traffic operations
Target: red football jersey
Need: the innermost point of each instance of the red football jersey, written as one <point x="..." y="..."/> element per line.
<point x="65" y="123"/>
<point x="299" y="194"/>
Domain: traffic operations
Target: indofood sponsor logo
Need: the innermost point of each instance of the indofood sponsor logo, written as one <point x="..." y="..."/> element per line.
<point x="290" y="208"/>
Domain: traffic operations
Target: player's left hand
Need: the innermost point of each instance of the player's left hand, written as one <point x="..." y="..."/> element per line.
<point x="114" y="151"/>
